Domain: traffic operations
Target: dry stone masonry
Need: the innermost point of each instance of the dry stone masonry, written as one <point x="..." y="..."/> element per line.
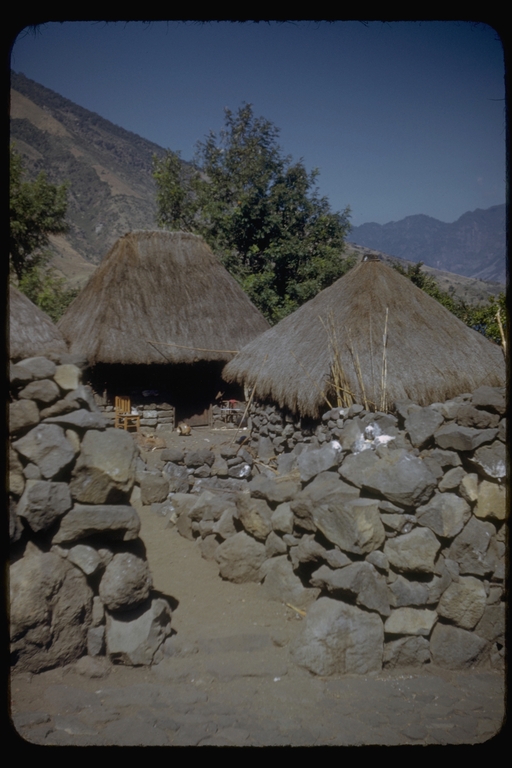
<point x="79" y="579"/>
<point x="387" y="530"/>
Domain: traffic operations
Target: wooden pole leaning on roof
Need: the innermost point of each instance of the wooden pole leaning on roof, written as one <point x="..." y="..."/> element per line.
<point x="250" y="399"/>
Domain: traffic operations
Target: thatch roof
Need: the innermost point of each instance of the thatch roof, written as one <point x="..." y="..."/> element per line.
<point x="430" y="355"/>
<point x="160" y="297"/>
<point x="31" y="331"/>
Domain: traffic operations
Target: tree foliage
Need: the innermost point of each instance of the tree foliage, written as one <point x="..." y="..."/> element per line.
<point x="483" y="318"/>
<point x="37" y="210"/>
<point x="259" y="211"/>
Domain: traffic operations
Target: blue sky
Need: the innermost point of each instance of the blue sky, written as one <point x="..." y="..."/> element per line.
<point x="400" y="118"/>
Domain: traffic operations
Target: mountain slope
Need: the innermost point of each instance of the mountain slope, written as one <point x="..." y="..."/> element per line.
<point x="111" y="189"/>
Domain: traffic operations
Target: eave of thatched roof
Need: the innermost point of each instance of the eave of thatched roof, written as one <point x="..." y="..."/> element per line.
<point x="160" y="297"/>
<point x="430" y="354"/>
<point x="31" y="331"/>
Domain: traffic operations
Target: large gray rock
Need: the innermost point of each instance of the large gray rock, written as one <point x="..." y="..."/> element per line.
<point x="410" y="621"/>
<point x="44" y="391"/>
<point x="339" y="639"/>
<point x="47" y="446"/>
<point x="277" y="490"/>
<point x="22" y="414"/>
<point x="154" y="487"/>
<point x="126" y="582"/>
<point x="240" y="558"/>
<point x="33" y="368"/>
<point x="199" y="457"/>
<point x="178" y="478"/>
<point x="86" y="558"/>
<point x="134" y="638"/>
<point x="265" y="449"/>
<point x="111" y="520"/>
<point x="405" y="592"/>
<point x="316" y="460"/>
<point x="78" y="419"/>
<point x="492" y="624"/>
<point x="491" y="460"/>
<point x="469" y="549"/>
<point x="282" y="518"/>
<point x="43" y="503"/>
<point x="255" y="515"/>
<point x="469" y="416"/>
<point x="399" y="476"/>
<point x="359" y="580"/>
<point x="463" y="603"/>
<point x="351" y="435"/>
<point x="455" y="648"/>
<point x="412" y="651"/>
<point x="490" y="398"/>
<point x="457" y="438"/>
<point x="326" y="488"/>
<point x="60" y="407"/>
<point x="67" y="376"/>
<point x="16" y="482"/>
<point x="281" y="583"/>
<point x="421" y="425"/>
<point x="210" y="506"/>
<point x="50" y="611"/>
<point x="446" y="514"/>
<point x="105" y="469"/>
<point x="491" y="501"/>
<point x="452" y="479"/>
<point x="354" y="525"/>
<point x="413" y="552"/>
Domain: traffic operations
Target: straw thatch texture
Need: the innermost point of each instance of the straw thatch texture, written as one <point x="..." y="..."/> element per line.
<point x="430" y="354"/>
<point x="160" y="287"/>
<point x="31" y="332"/>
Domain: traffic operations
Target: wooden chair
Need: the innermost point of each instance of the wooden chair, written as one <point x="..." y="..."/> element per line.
<point x="124" y="418"/>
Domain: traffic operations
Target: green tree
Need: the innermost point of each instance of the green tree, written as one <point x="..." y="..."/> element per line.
<point x="260" y="213"/>
<point x="37" y="210"/>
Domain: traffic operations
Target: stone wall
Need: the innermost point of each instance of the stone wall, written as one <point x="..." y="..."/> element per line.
<point x="79" y="579"/>
<point x="386" y="530"/>
<point x="157" y="415"/>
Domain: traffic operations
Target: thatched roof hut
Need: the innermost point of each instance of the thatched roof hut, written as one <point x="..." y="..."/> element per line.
<point x="429" y="355"/>
<point x="158" y="298"/>
<point x="31" y="331"/>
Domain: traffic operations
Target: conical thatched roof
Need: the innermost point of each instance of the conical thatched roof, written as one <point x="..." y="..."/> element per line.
<point x="165" y="287"/>
<point x="31" y="332"/>
<point x="430" y="354"/>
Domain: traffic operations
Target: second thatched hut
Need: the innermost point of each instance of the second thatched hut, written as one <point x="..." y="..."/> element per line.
<point x="371" y="338"/>
<point x="31" y="332"/>
<point x="161" y="316"/>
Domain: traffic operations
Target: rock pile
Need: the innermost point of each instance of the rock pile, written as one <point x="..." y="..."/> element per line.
<point x="389" y="530"/>
<point x="79" y="578"/>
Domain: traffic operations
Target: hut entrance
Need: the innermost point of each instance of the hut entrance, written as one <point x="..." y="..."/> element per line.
<point x="191" y="390"/>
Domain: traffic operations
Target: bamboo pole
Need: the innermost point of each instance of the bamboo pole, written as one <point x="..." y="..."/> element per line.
<point x="250" y="398"/>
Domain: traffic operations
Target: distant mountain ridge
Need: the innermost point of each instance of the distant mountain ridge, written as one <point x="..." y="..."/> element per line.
<point x="474" y="245"/>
